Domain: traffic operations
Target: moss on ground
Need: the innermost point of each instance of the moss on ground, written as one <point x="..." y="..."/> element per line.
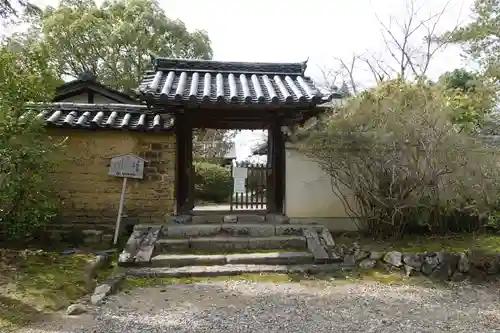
<point x="132" y="282"/>
<point x="338" y="277"/>
<point x="35" y="283"/>
<point x="415" y="244"/>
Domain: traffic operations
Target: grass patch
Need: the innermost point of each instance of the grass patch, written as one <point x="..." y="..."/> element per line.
<point x="414" y="244"/>
<point x="36" y="283"/>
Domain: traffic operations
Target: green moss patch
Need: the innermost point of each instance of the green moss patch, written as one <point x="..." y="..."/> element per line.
<point x="415" y="244"/>
<point x="140" y="282"/>
<point x="35" y="283"/>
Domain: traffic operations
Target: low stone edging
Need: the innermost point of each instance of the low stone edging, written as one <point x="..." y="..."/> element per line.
<point x="441" y="265"/>
<point x="107" y="287"/>
<point x="101" y="261"/>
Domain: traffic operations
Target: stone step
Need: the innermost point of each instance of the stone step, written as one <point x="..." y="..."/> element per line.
<point x="235" y="229"/>
<point x="232" y="269"/>
<point x="171" y="245"/>
<point x="271" y="258"/>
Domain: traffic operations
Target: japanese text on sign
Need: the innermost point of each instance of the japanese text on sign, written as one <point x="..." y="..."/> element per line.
<point x="129" y="166"/>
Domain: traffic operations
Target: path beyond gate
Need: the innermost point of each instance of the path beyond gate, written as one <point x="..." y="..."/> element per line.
<point x="254" y="196"/>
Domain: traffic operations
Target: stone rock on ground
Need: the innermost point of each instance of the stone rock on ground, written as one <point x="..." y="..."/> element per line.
<point x="448" y="263"/>
<point x="340" y="250"/>
<point x="431" y="261"/>
<point x="368" y="263"/>
<point x="409" y="270"/>
<point x="107" y="287"/>
<point x="394" y="258"/>
<point x="101" y="261"/>
<point x="414" y="260"/>
<point x="354" y="248"/>
<point x="483" y="260"/>
<point x="376" y="255"/>
<point x="360" y="254"/>
<point x="75" y="309"/>
<point x="463" y="263"/>
<point x="100" y="294"/>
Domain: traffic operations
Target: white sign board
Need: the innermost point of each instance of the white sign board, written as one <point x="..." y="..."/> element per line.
<point x="239" y="185"/>
<point x="239" y="172"/>
<point x="129" y="166"/>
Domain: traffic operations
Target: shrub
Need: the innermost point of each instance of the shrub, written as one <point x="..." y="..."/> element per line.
<point x="396" y="159"/>
<point x="213" y="183"/>
<point x="27" y="202"/>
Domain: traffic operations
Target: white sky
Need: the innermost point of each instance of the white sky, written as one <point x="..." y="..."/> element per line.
<point x="292" y="31"/>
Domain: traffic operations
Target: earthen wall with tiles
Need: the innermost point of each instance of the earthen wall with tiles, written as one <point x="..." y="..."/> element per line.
<point x="90" y="198"/>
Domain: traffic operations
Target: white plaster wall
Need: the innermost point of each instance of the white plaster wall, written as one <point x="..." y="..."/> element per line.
<point x="309" y="196"/>
<point x="100" y="99"/>
<point x="83" y="98"/>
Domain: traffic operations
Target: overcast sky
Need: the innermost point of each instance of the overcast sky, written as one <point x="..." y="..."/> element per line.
<point x="292" y="31"/>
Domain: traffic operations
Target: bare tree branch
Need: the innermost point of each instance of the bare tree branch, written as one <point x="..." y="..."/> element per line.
<point x="409" y="48"/>
<point x="408" y="54"/>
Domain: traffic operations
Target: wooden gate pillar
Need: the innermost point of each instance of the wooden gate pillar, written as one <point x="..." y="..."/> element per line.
<point x="184" y="185"/>
<point x="276" y="162"/>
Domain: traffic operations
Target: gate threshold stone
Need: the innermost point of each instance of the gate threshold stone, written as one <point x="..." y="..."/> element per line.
<point x="232" y="229"/>
<point x="206" y="230"/>
<point x="231" y="269"/>
<point x="271" y="258"/>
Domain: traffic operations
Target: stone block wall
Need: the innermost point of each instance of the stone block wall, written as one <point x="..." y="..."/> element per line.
<point x="90" y="197"/>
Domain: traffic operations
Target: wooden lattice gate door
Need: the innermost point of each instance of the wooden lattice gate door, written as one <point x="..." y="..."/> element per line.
<point x="254" y="194"/>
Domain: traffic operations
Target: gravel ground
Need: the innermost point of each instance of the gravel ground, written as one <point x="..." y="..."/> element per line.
<point x="240" y="306"/>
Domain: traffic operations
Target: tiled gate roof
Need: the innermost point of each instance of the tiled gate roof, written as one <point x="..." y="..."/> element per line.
<point x="204" y="81"/>
<point x="103" y="116"/>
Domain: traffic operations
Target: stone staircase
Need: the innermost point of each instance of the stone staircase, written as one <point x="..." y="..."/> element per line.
<point x="211" y="244"/>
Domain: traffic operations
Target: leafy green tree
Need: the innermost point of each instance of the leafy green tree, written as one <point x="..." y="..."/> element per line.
<point x="470" y="94"/>
<point x="460" y="79"/>
<point x="113" y="40"/>
<point x="26" y="200"/>
<point x="213" y="182"/>
<point x="481" y="37"/>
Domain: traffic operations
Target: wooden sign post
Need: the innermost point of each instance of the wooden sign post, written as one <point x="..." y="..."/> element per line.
<point x="125" y="166"/>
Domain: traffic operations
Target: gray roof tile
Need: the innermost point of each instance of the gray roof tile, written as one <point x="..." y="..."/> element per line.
<point x="202" y="81"/>
<point x="103" y="116"/>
